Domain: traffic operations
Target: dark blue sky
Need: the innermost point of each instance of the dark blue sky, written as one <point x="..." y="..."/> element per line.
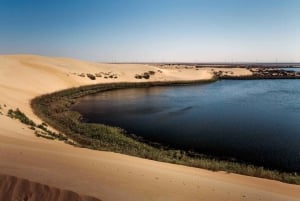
<point x="153" y="30"/>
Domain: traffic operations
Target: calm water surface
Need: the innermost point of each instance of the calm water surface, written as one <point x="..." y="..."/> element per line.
<point x="292" y="69"/>
<point x="255" y="121"/>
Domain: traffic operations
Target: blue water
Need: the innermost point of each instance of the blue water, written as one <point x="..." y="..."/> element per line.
<point x="292" y="69"/>
<point x="254" y="121"/>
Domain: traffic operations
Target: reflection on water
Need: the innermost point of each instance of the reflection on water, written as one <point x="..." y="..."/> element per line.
<point x="254" y="121"/>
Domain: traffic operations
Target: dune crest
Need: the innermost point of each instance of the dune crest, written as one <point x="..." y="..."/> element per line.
<point x="17" y="189"/>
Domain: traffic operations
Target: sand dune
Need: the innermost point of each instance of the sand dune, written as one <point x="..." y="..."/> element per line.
<point x="13" y="188"/>
<point x="105" y="175"/>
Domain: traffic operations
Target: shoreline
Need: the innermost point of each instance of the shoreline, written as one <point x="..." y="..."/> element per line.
<point x="211" y="163"/>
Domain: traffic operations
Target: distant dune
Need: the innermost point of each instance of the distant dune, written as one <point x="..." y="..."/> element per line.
<point x="105" y="175"/>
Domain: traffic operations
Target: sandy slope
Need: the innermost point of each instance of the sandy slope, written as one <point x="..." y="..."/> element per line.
<point x="14" y="188"/>
<point x="105" y="175"/>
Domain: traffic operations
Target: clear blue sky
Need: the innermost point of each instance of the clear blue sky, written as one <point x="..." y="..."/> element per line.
<point x="153" y="30"/>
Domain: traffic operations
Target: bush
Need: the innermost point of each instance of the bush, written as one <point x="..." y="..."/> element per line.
<point x="42" y="127"/>
<point x="17" y="114"/>
<point x="44" y="124"/>
<point x="138" y="77"/>
<point x="44" y="135"/>
<point x="91" y="76"/>
<point x="151" y="72"/>
<point x="146" y="75"/>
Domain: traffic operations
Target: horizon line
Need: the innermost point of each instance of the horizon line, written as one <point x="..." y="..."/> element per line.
<point x="198" y="63"/>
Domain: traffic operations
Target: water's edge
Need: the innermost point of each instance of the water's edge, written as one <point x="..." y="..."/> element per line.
<point x="55" y="109"/>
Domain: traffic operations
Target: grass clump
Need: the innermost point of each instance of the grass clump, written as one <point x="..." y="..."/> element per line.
<point x="138" y="77"/>
<point x="151" y="72"/>
<point x="44" y="135"/>
<point x="55" y="110"/>
<point x="91" y="76"/>
<point x="146" y="75"/>
<point x="17" y="114"/>
<point x="40" y="130"/>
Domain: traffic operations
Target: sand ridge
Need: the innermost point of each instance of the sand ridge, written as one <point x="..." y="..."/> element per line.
<point x="106" y="175"/>
<point x="14" y="188"/>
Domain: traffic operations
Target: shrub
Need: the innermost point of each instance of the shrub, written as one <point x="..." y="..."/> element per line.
<point x="91" y="76"/>
<point x="17" y="114"/>
<point x="42" y="127"/>
<point x="138" y="77"/>
<point x="44" y="135"/>
<point x="151" y="72"/>
<point x="44" y="124"/>
<point x="146" y="75"/>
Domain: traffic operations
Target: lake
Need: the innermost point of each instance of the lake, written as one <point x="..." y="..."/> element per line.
<point x="292" y="69"/>
<point x="253" y="121"/>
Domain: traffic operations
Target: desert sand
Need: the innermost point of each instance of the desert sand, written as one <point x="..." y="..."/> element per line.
<point x="13" y="188"/>
<point x="32" y="165"/>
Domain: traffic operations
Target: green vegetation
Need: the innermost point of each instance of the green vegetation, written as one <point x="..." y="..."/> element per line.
<point x="17" y="114"/>
<point x="42" y="130"/>
<point x="55" y="110"/>
<point x="43" y="134"/>
<point x="151" y="72"/>
<point x="145" y="75"/>
<point x="91" y="76"/>
<point x="138" y="77"/>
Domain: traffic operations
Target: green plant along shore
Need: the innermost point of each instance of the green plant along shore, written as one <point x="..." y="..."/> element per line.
<point x="55" y="110"/>
<point x="41" y="130"/>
